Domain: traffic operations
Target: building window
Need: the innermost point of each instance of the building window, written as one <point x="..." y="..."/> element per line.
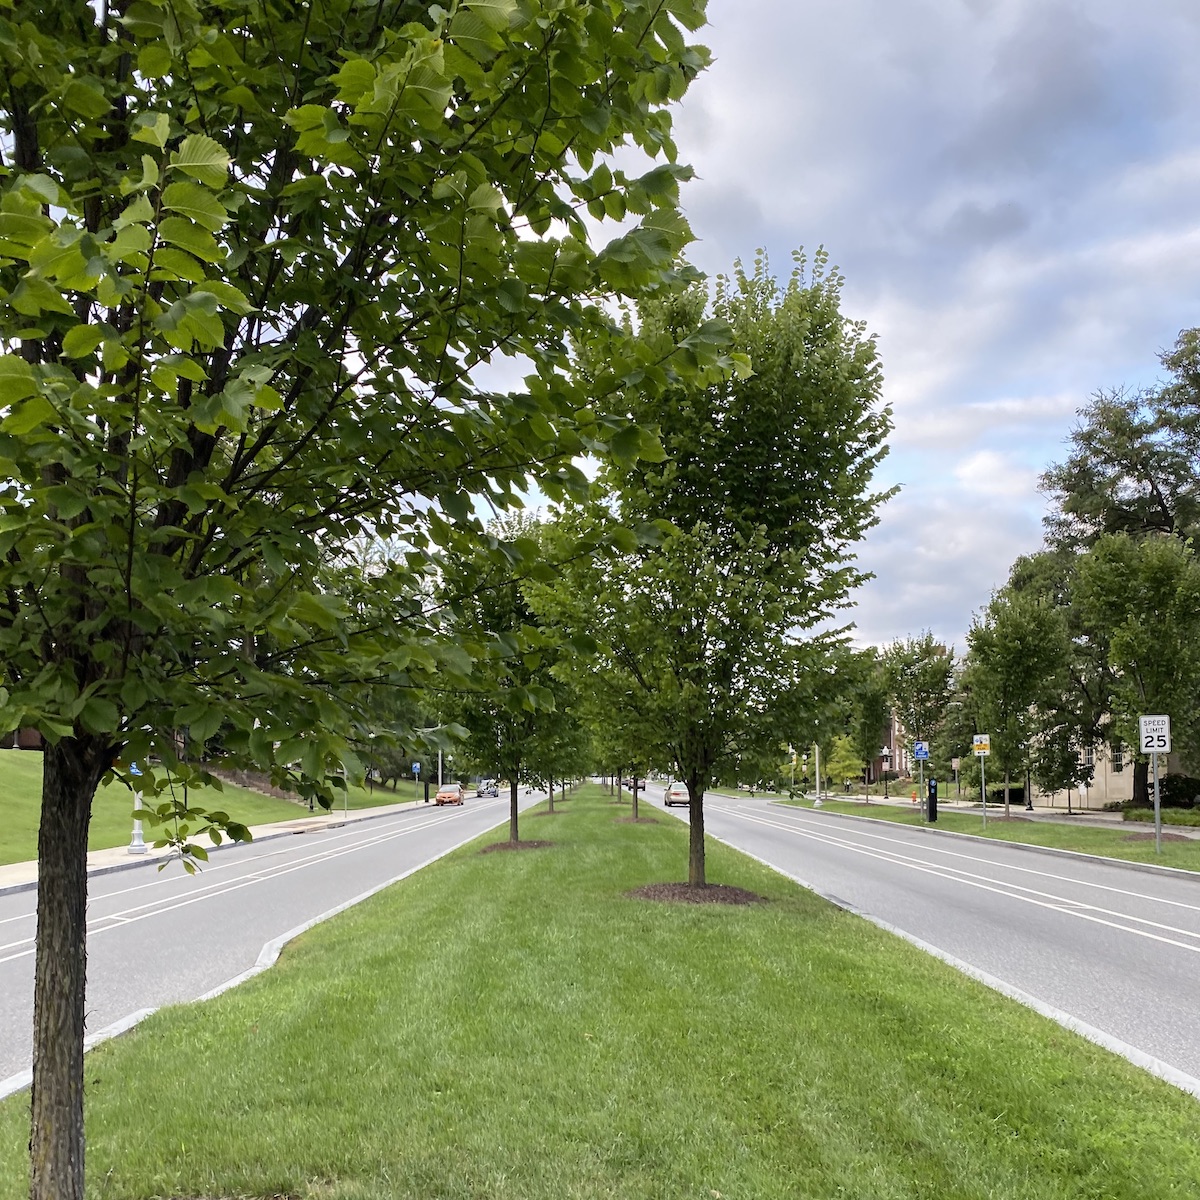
<point x="1089" y="756"/>
<point x="1118" y="757"/>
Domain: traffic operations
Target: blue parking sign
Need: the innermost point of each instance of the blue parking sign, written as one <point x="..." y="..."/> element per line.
<point x="921" y="750"/>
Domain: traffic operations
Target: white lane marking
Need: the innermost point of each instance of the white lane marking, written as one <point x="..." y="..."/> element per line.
<point x="1139" y="1058"/>
<point x="141" y="912"/>
<point x="335" y="833"/>
<point x="266" y="958"/>
<point x="1104" y="887"/>
<point x="1011" y="891"/>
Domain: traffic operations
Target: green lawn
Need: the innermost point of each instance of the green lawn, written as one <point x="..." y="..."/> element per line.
<point x="1087" y="839"/>
<point x="20" y="803"/>
<point x="511" y="1026"/>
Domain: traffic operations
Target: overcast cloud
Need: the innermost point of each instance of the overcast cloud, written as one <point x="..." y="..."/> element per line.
<point x="1012" y="190"/>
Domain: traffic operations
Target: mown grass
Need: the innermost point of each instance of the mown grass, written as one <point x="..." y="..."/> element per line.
<point x="20" y="806"/>
<point x="1086" y="839"/>
<point x="512" y="1026"/>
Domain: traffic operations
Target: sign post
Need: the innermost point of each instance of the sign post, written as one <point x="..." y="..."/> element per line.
<point x="1154" y="734"/>
<point x="416" y="781"/>
<point x="982" y="745"/>
<point x="921" y="754"/>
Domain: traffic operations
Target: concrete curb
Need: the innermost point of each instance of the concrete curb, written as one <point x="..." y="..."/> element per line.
<point x="1146" y="868"/>
<point x="267" y="957"/>
<point x="1139" y="1058"/>
<point x="29" y="885"/>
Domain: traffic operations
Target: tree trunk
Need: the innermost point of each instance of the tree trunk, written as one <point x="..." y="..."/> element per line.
<point x="620" y="793"/>
<point x="1006" y="793"/>
<point x="562" y="783"/>
<point x="633" y="781"/>
<point x="696" y="832"/>
<point x="71" y="772"/>
<point x="512" y="809"/>
<point x="551" y="809"/>
<point x="1141" y="783"/>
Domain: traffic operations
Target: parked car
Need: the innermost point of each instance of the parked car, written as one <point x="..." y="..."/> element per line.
<point x="676" y="793"/>
<point x="449" y="793"/>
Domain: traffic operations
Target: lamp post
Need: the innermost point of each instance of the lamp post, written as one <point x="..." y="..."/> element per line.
<point x="885" y="757"/>
<point x="137" y="844"/>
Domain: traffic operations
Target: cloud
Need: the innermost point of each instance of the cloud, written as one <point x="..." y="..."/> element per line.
<point x="1012" y="191"/>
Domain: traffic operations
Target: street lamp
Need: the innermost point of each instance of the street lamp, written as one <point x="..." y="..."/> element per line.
<point x="885" y="757"/>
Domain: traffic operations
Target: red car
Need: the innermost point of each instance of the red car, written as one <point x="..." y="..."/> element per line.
<point x="449" y="793"/>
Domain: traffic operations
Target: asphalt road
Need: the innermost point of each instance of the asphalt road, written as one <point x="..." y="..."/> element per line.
<point x="163" y="938"/>
<point x="1114" y="948"/>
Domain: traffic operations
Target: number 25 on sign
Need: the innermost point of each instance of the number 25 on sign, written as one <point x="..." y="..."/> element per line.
<point x="1154" y="733"/>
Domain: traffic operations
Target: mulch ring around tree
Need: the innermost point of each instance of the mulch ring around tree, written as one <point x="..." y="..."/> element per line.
<point x="711" y="893"/>
<point x="1149" y="837"/>
<point x="636" y="821"/>
<point x="515" y="846"/>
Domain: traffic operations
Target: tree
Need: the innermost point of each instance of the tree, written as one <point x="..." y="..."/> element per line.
<point x="1018" y="652"/>
<point x="256" y="261"/>
<point x="1143" y="595"/>
<point x="919" y="672"/>
<point x="706" y="633"/>
<point x="869" y="703"/>
<point x="1133" y="462"/>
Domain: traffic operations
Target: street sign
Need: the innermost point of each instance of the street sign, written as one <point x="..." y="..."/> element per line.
<point x="921" y="750"/>
<point x="134" y="769"/>
<point x="1155" y="734"/>
<point x="416" y="768"/>
<point x="982" y="743"/>
<point x="954" y="764"/>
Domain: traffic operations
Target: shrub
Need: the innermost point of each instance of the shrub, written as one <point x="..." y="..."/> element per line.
<point x="1178" y="791"/>
<point x="1172" y="816"/>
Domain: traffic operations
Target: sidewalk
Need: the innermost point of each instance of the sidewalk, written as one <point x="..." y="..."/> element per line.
<point x="19" y="877"/>
<point x="1052" y="814"/>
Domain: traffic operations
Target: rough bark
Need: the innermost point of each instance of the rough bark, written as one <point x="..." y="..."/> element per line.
<point x="512" y="809"/>
<point x="695" y="787"/>
<point x="1141" y="783"/>
<point x="551" y="809"/>
<point x="72" y="770"/>
<point x="634" y="782"/>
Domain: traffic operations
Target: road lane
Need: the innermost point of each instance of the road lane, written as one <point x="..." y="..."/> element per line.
<point x="158" y="938"/>
<point x="1114" y="948"/>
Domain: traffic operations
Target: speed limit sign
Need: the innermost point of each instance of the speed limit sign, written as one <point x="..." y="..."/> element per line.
<point x="1155" y="734"/>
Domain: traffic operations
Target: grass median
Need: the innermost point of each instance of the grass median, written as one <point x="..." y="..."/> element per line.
<point x="21" y="800"/>
<point x="514" y="1026"/>
<point x="1119" y="842"/>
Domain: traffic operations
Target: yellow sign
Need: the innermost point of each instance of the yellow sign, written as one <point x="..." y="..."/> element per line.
<point x="983" y="744"/>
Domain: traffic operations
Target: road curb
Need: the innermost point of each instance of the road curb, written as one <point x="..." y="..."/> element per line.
<point x="1139" y="1058"/>
<point x="29" y="885"/>
<point x="1146" y="868"/>
<point x="267" y="956"/>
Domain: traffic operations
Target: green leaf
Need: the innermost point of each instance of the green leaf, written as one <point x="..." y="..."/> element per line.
<point x="182" y="233"/>
<point x="498" y="14"/>
<point x="154" y="60"/>
<point x="196" y="203"/>
<point x="227" y="295"/>
<point x="16" y="379"/>
<point x="153" y="128"/>
<point x="203" y="159"/>
<point x="82" y="340"/>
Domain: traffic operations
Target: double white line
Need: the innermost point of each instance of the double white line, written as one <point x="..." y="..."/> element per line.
<point x="1124" y="922"/>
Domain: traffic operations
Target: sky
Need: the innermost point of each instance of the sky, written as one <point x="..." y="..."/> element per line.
<point x="1011" y="189"/>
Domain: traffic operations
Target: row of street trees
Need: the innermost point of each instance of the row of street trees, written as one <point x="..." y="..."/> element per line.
<point x="257" y="265"/>
<point x="256" y="261"/>
<point x="1100" y="626"/>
